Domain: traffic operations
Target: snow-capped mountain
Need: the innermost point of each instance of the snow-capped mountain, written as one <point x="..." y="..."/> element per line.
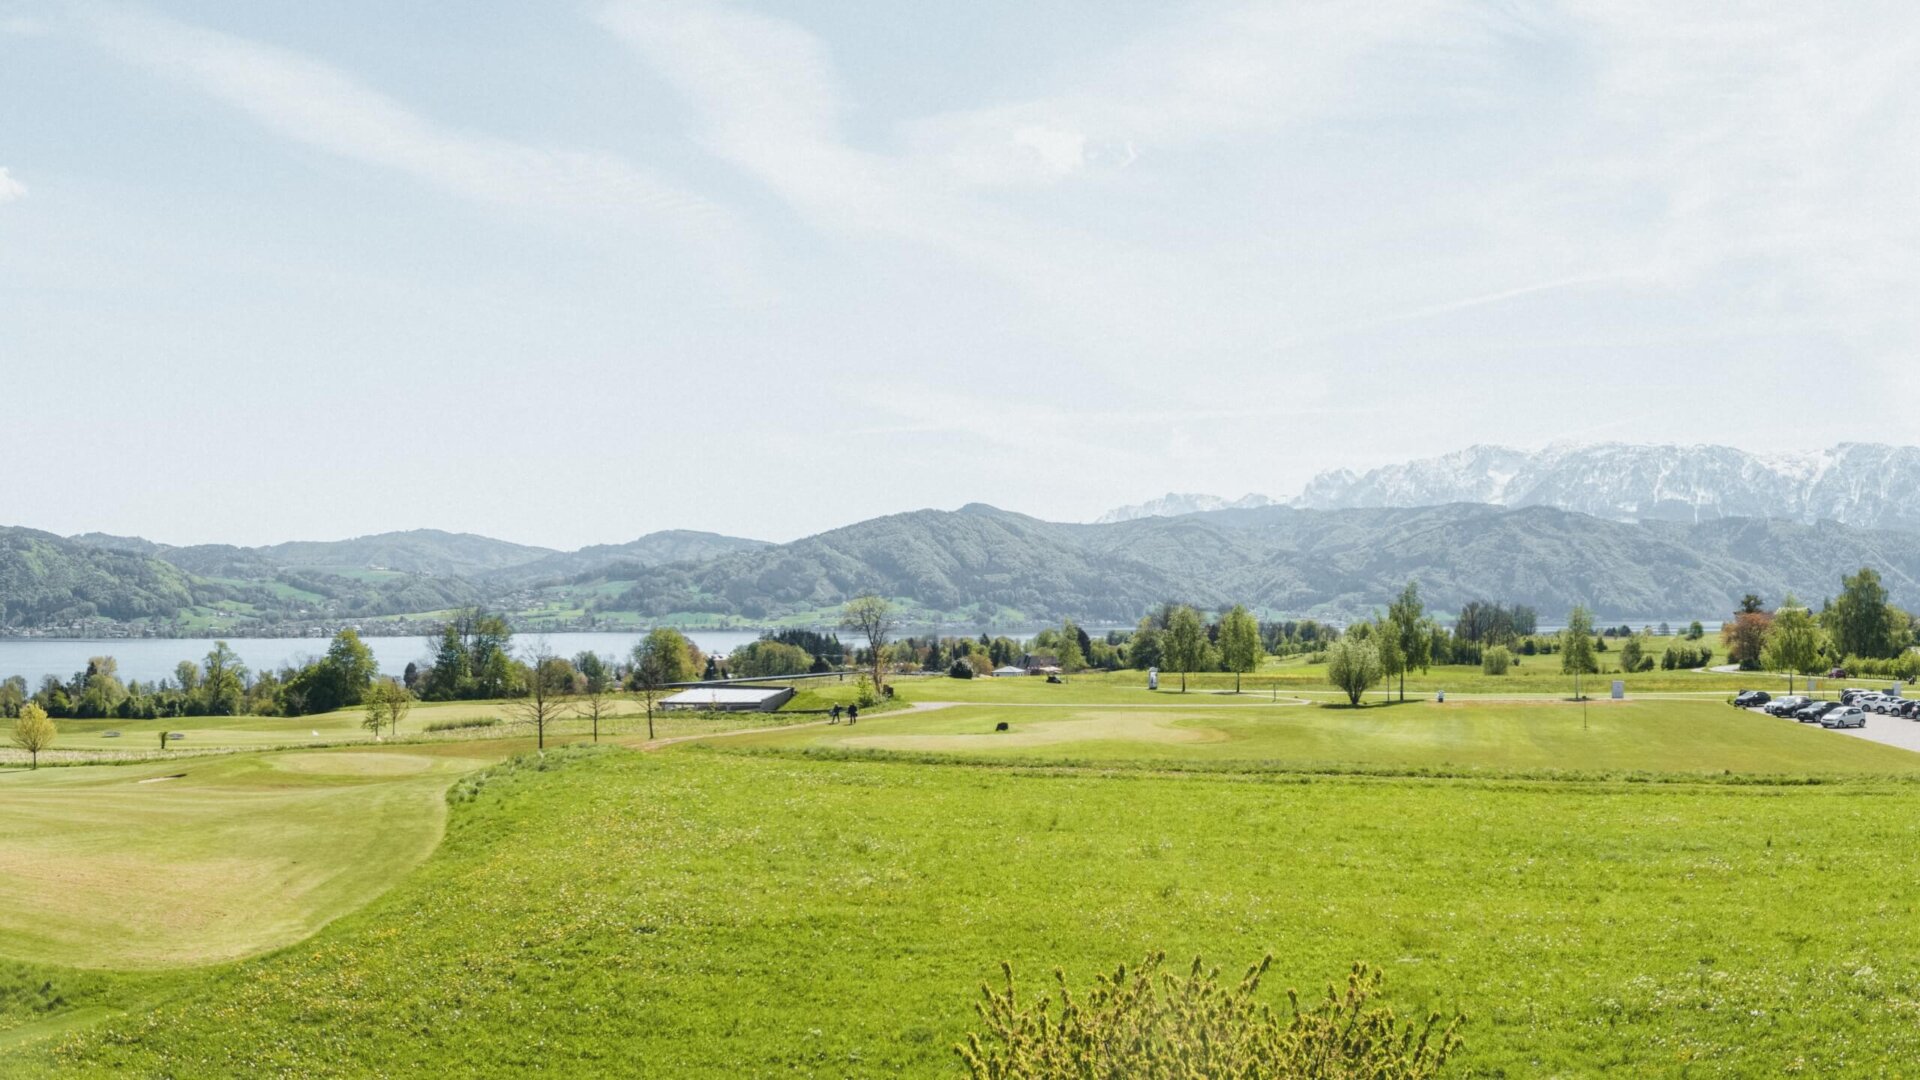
<point x="1173" y="504"/>
<point x="1867" y="485"/>
<point x="1861" y="484"/>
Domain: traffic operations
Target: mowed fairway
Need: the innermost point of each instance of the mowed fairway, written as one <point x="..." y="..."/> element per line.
<point x="208" y="859"/>
<point x="1546" y="736"/>
<point x="698" y="912"/>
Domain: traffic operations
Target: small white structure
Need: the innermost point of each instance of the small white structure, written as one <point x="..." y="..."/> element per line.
<point x="1009" y="670"/>
<point x="730" y="699"/>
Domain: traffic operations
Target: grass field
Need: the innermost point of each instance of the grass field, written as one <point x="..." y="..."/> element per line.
<point x="1605" y="736"/>
<point x="696" y="913"/>
<point x="214" y="858"/>
<point x="1662" y="886"/>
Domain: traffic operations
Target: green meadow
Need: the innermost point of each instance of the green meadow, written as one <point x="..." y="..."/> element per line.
<point x="1662" y="886"/>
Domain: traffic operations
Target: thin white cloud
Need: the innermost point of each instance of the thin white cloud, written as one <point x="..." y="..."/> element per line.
<point x="10" y="189"/>
<point x="318" y="105"/>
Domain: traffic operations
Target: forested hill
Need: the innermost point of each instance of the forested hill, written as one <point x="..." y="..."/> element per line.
<point x="977" y="565"/>
<point x="44" y="577"/>
<point x="980" y="563"/>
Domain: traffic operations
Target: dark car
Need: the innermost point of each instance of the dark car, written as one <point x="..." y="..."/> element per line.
<point x="1811" y="714"/>
<point x="1910" y="709"/>
<point x="1785" y="706"/>
<point x="1747" y="699"/>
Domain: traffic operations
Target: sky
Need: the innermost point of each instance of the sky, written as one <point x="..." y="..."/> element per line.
<point x="567" y="273"/>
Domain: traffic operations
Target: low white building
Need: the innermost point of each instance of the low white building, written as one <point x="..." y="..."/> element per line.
<point x="1008" y="671"/>
<point x="730" y="699"/>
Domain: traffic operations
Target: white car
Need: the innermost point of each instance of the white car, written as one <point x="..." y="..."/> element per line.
<point x="1847" y="716"/>
<point x="1885" y="705"/>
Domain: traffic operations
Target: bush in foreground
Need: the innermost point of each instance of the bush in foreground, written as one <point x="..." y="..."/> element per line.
<point x="1153" y="1025"/>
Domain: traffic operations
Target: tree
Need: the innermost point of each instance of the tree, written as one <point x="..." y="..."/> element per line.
<point x="595" y="687"/>
<point x="1793" y="642"/>
<point x="452" y="671"/>
<point x="1751" y="604"/>
<point x="654" y="665"/>
<point x="549" y="681"/>
<point x="1695" y="631"/>
<point x="1183" y="644"/>
<point x="1353" y="666"/>
<point x="1631" y="654"/>
<point x="1746" y="638"/>
<point x="1407" y="617"/>
<point x="1143" y="649"/>
<point x="1071" y="657"/>
<point x="387" y="702"/>
<point x="1576" y="654"/>
<point x="33" y="732"/>
<point x="1496" y="660"/>
<point x="1862" y="624"/>
<point x="222" y="681"/>
<point x="350" y="667"/>
<point x="768" y="657"/>
<point x="678" y="660"/>
<point x="872" y="615"/>
<point x="1239" y="643"/>
<point x="13" y="695"/>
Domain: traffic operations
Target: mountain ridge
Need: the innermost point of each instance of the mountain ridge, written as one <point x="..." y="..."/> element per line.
<point x="1866" y="485"/>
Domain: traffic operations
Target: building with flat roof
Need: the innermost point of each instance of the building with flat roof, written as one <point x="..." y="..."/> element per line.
<point x="730" y="698"/>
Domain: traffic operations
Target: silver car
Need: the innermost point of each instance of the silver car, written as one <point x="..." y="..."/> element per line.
<point x="1849" y="716"/>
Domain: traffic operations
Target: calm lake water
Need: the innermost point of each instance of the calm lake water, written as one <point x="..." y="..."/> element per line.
<point x="147" y="659"/>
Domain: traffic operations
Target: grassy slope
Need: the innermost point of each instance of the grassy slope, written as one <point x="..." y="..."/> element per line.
<point x="1647" y="736"/>
<point x="121" y="867"/>
<point x="696" y="913"/>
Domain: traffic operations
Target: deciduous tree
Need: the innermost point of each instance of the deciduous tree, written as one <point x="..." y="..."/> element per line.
<point x="1862" y="624"/>
<point x="1576" y="652"/>
<point x="1353" y="666"/>
<point x="387" y="702"/>
<point x="549" y="682"/>
<point x="873" y="616"/>
<point x="1184" y="642"/>
<point x="1793" y="642"/>
<point x="33" y="732"/>
<point x="1239" y="643"/>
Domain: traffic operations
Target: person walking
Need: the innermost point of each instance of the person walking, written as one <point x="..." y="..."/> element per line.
<point x="835" y="715"/>
<point x="853" y="713"/>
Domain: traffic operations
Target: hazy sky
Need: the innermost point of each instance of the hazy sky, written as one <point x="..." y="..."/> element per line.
<point x="567" y="273"/>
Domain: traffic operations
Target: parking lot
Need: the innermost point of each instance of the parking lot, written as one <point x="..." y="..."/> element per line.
<point x="1890" y="730"/>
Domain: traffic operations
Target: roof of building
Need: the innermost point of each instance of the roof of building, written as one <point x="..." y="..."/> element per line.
<point x="1009" y="670"/>
<point x="714" y="695"/>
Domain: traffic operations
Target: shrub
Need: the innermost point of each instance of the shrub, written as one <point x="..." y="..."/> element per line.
<point x="1496" y="661"/>
<point x="863" y="694"/>
<point x="961" y="670"/>
<point x="1153" y="1025"/>
<point x="460" y="725"/>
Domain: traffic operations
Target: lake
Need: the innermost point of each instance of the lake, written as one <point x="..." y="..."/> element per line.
<point x="148" y="659"/>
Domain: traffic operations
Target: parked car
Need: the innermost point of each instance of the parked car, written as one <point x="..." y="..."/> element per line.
<point x="1851" y="692"/>
<point x="1910" y="708"/>
<point x="1845" y="716"/>
<point x="1811" y="714"/>
<point x="1747" y="699"/>
<point x="1887" y="705"/>
<point x="1785" y="706"/>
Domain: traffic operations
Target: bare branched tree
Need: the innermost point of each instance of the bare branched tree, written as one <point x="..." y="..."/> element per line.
<point x="549" y="682"/>
<point x="873" y="616"/>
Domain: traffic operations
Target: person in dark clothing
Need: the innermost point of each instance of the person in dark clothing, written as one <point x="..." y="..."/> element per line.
<point x="835" y="716"/>
<point x="853" y="713"/>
